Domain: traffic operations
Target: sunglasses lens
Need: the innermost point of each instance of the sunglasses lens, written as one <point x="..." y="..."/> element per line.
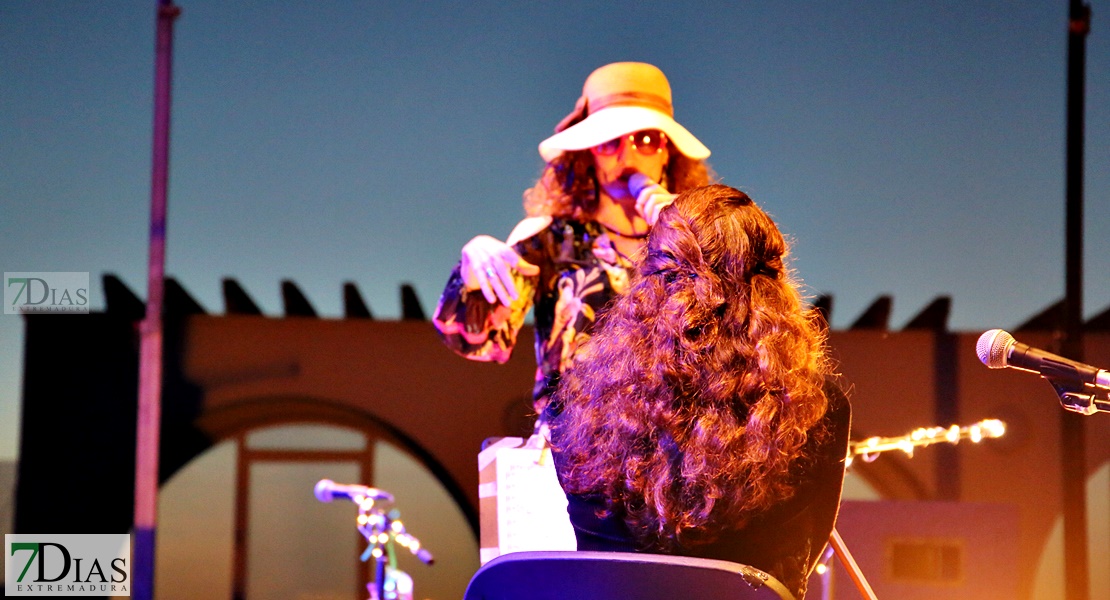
<point x="610" y="147"/>
<point x="648" y="142"/>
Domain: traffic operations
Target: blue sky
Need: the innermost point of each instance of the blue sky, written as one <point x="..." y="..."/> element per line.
<point x="908" y="148"/>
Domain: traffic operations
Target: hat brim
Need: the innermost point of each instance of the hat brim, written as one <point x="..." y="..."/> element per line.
<point x="615" y="121"/>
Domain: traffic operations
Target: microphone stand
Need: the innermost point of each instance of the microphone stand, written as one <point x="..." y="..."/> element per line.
<point x="1076" y="397"/>
<point x="382" y="529"/>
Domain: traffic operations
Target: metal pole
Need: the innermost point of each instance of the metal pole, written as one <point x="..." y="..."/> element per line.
<point x="150" y="355"/>
<point x="849" y="562"/>
<point x="1072" y="433"/>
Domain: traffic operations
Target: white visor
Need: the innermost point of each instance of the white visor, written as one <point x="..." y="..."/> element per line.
<point x="614" y="121"/>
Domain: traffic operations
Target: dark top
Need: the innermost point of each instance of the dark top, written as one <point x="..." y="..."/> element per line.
<point x="785" y="541"/>
<point x="580" y="272"/>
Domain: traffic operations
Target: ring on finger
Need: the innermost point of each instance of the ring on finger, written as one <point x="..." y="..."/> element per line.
<point x="491" y="273"/>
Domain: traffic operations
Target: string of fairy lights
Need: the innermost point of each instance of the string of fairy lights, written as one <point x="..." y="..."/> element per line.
<point x="869" y="449"/>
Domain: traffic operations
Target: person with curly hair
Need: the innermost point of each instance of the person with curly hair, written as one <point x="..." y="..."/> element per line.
<point x="585" y="225"/>
<point x="701" y="418"/>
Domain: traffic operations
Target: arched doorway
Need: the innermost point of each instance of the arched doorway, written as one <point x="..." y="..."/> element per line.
<point x="259" y="482"/>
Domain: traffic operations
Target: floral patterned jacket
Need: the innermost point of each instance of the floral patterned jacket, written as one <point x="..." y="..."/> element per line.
<point x="580" y="272"/>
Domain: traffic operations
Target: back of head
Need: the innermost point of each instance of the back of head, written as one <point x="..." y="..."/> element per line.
<point x="716" y="232"/>
<point x="700" y="386"/>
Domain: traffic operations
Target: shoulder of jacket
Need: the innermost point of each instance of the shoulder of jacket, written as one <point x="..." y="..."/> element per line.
<point x="528" y="228"/>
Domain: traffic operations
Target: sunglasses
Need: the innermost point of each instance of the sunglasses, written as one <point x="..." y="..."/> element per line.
<point x="646" y="142"/>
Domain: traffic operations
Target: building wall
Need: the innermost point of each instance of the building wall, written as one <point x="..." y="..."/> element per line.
<point x="230" y="373"/>
<point x="400" y="373"/>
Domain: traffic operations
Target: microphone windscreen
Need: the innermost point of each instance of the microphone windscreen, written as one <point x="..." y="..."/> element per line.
<point x="323" y="490"/>
<point x="992" y="346"/>
<point x="637" y="183"/>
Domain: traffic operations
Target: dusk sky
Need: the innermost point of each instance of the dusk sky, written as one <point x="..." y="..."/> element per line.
<point x="914" y="149"/>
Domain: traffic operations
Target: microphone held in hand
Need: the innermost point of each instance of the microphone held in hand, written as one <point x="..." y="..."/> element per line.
<point x="637" y="183"/>
<point x="327" y="490"/>
<point x="998" y="349"/>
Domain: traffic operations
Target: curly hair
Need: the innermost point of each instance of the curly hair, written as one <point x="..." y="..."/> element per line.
<point x="567" y="187"/>
<point x="693" y="402"/>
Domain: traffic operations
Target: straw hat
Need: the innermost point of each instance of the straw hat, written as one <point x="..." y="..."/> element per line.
<point x="619" y="99"/>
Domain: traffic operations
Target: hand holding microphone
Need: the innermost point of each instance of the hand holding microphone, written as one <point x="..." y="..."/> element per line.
<point x="651" y="198"/>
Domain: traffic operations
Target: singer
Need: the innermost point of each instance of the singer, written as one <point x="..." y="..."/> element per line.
<point x="701" y="418"/>
<point x="588" y="218"/>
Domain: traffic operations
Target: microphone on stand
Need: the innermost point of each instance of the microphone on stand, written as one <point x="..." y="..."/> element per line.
<point x="998" y="349"/>
<point x="327" y="490"/>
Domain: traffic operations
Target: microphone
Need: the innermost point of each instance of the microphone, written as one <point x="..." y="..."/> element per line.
<point x="637" y="183"/>
<point x="327" y="490"/>
<point x="998" y="349"/>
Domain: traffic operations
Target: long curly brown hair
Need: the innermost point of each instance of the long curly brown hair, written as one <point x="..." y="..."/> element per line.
<point x="691" y="404"/>
<point x="567" y="187"/>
